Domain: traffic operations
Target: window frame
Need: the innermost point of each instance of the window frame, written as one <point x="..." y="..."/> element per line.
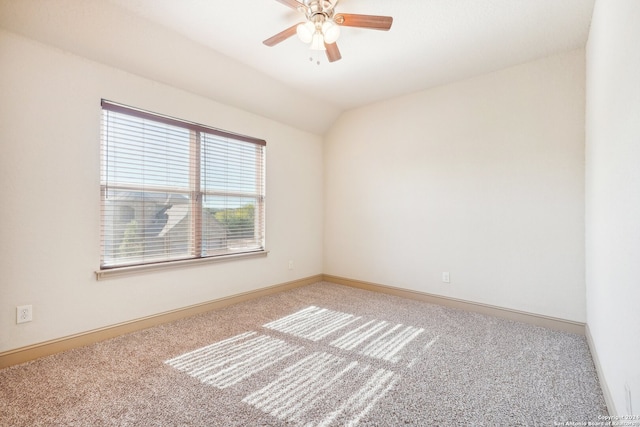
<point x="196" y="193"/>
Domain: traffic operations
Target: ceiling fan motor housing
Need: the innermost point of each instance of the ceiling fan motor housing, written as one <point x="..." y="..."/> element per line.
<point x="319" y="10"/>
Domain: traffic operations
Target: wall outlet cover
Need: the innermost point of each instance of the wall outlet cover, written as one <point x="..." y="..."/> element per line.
<point x="24" y="313"/>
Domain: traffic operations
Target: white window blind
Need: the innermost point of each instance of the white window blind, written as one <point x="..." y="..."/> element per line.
<point x="176" y="190"/>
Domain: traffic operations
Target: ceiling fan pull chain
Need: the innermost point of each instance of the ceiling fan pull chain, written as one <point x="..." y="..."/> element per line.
<point x="317" y="57"/>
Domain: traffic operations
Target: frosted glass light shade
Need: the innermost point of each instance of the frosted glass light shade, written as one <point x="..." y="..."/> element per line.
<point x="317" y="42"/>
<point x="331" y="32"/>
<point x="305" y="31"/>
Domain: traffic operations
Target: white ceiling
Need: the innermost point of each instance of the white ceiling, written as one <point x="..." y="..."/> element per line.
<point x="431" y="42"/>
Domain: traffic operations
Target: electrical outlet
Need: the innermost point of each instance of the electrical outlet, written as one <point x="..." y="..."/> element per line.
<point x="290" y="264"/>
<point x="445" y="277"/>
<point x="24" y="313"/>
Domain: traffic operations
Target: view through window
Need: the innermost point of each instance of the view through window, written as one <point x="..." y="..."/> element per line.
<point x="175" y="190"/>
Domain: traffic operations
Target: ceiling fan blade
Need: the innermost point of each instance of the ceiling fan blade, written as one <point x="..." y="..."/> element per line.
<point x="333" y="53"/>
<point x="293" y="4"/>
<point x="281" y="36"/>
<point x="373" y="22"/>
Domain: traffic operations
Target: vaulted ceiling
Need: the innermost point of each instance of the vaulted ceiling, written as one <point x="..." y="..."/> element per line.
<point x="214" y="47"/>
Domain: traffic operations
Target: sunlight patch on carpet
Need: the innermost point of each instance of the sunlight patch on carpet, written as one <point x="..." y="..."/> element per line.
<point x="386" y="346"/>
<point x="313" y="387"/>
<point x="228" y="362"/>
<point x="332" y="381"/>
<point x="312" y="323"/>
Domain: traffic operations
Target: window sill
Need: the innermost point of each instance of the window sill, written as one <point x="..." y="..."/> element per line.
<point x="170" y="265"/>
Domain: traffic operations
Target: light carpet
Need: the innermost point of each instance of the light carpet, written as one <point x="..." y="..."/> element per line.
<point x="320" y="355"/>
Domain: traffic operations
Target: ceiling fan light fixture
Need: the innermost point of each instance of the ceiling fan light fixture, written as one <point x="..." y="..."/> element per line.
<point x="306" y="31"/>
<point x="331" y="31"/>
<point x="317" y="42"/>
<point x="321" y="27"/>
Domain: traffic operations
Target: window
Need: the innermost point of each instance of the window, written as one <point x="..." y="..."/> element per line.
<point x="175" y="190"/>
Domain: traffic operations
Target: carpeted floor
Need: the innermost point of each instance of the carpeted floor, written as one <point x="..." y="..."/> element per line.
<point x="321" y="355"/>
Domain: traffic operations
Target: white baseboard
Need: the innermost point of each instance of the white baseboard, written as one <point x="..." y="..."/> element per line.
<point x="24" y="354"/>
<point x="608" y="399"/>
<point x="35" y="351"/>
<point x="505" y="313"/>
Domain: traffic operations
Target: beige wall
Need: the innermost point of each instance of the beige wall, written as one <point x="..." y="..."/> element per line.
<point x="49" y="175"/>
<point x="613" y="198"/>
<point x="483" y="179"/>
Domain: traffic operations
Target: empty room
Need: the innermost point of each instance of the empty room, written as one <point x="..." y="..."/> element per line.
<point x="319" y="212"/>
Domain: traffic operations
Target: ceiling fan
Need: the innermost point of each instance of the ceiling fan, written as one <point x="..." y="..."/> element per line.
<point x="322" y="25"/>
